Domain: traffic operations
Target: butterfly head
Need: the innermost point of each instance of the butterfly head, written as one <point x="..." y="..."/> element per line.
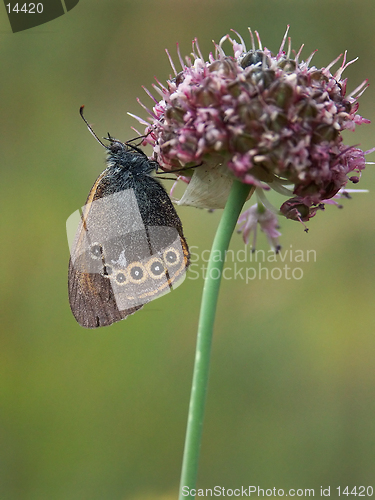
<point x="116" y="149"/>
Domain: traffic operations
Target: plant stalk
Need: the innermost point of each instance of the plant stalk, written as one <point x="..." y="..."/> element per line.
<point x="237" y="197"/>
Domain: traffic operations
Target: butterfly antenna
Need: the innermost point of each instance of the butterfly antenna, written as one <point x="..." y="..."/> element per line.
<point x="90" y="129"/>
<point x="137" y="138"/>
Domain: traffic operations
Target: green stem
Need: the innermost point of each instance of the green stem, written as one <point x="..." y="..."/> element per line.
<point x="237" y="197"/>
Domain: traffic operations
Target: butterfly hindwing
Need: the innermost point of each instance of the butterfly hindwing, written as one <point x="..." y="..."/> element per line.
<point x="92" y="299"/>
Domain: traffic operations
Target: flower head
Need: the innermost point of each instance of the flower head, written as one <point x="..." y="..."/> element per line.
<point x="272" y="121"/>
<point x="258" y="214"/>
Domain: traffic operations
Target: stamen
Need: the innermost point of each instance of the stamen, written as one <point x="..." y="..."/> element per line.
<point x="299" y="53"/>
<point x="161" y="85"/>
<point x="149" y="94"/>
<point x="309" y="59"/>
<point x="364" y="84"/>
<point x="289" y="47"/>
<point x="219" y="51"/>
<point x="355" y="190"/>
<point x="141" y="120"/>
<point x="281" y="49"/>
<point x="340" y="71"/>
<point x="198" y="49"/>
<point x="171" y="62"/>
<point x="252" y="39"/>
<point x="180" y="56"/>
<point x="135" y="130"/>
<point x="241" y="40"/>
<point x="151" y="113"/>
<point x="259" y="40"/>
<point x="159" y="91"/>
<point x="327" y="68"/>
<point x="223" y="39"/>
<point x="188" y="62"/>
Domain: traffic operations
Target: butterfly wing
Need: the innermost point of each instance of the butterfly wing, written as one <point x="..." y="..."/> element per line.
<point x="92" y="299"/>
<point x="129" y="249"/>
<point x="91" y="296"/>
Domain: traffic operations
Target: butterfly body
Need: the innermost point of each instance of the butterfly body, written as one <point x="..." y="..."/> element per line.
<point x="129" y="247"/>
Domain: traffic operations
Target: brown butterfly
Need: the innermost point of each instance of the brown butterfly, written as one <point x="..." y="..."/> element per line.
<point x="129" y="247"/>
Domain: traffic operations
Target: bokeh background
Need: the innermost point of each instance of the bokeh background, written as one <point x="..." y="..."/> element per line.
<point x="102" y="414"/>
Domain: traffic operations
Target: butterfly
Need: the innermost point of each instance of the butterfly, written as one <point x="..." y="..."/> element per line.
<point x="129" y="247"/>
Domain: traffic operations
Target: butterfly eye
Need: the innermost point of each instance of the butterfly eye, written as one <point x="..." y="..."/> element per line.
<point x="155" y="268"/>
<point x="96" y="251"/>
<point x="120" y="278"/>
<point x="137" y="273"/>
<point x="171" y="256"/>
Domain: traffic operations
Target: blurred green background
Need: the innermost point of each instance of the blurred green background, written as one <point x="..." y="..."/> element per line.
<point x="101" y="414"/>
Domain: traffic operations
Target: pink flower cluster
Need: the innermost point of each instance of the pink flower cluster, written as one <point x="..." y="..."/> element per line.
<point x="273" y="120"/>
